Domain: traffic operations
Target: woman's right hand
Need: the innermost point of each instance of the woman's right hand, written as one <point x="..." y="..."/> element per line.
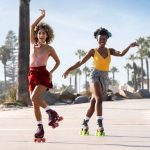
<point x="65" y="74"/>
<point x="42" y="12"/>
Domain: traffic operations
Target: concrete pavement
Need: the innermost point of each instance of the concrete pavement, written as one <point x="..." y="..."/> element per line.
<point x="127" y="127"/>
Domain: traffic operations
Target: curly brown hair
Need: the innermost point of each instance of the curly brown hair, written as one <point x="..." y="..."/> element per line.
<point x="48" y="29"/>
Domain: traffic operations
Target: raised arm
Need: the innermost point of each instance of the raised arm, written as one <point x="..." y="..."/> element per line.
<point x="78" y="64"/>
<point x="35" y="24"/>
<point x="118" y="53"/>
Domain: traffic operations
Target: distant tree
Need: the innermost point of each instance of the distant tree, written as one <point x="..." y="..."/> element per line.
<point x="2" y="87"/>
<point x="74" y="73"/>
<point x="128" y="67"/>
<point x="11" y="44"/>
<point x="144" y="46"/>
<point x="87" y="71"/>
<point x="4" y="57"/>
<point x="114" y="70"/>
<point x="80" y="53"/>
<point x="140" y="41"/>
<point x="134" y="80"/>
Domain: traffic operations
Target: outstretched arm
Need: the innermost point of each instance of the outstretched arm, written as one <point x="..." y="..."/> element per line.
<point x="118" y="53"/>
<point x="34" y="25"/>
<point x="78" y="64"/>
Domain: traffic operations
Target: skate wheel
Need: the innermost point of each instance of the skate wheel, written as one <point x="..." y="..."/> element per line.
<point x="100" y="133"/>
<point x="60" y="118"/>
<point x="39" y="140"/>
<point x="84" y="132"/>
<point x="35" y="140"/>
<point x="43" y="140"/>
<point x="55" y="125"/>
<point x="103" y="134"/>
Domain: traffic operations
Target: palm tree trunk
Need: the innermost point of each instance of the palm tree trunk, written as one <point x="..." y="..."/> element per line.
<point x="113" y="78"/>
<point x="86" y="88"/>
<point x="128" y="75"/>
<point x="135" y="76"/>
<point x="70" y="80"/>
<point x="142" y="77"/>
<point x="75" y="82"/>
<point x="23" y="60"/>
<point x="5" y="76"/>
<point x="79" y="82"/>
<point x="147" y="68"/>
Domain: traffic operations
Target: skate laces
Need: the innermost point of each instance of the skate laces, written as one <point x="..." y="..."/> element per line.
<point x="52" y="115"/>
<point x="100" y="123"/>
<point x="40" y="127"/>
<point x="85" y="122"/>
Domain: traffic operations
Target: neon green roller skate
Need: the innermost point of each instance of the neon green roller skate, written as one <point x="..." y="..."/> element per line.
<point x="100" y="129"/>
<point x="85" y="128"/>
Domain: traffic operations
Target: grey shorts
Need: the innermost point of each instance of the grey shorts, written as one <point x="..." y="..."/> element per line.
<point x="102" y="77"/>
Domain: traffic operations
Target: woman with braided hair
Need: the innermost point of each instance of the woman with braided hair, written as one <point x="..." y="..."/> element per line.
<point x="99" y="77"/>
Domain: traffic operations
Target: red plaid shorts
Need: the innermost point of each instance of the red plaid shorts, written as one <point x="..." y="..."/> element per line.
<point x="39" y="75"/>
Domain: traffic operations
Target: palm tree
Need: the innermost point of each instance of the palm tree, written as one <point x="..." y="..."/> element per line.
<point x="144" y="46"/>
<point x="4" y="57"/>
<point x="87" y="71"/>
<point x="78" y="71"/>
<point x="80" y="53"/>
<point x="114" y="70"/>
<point x="128" y="67"/>
<point x="133" y="58"/>
<point x="140" y="41"/>
<point x="24" y="50"/>
<point x="148" y="56"/>
<point x="74" y="73"/>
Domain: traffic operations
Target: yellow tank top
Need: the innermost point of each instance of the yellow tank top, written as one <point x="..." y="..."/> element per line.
<point x="101" y="63"/>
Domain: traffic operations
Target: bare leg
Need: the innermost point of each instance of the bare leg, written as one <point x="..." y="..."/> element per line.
<point x="91" y="108"/>
<point x="97" y="92"/>
<point x="37" y="101"/>
<point x="37" y="111"/>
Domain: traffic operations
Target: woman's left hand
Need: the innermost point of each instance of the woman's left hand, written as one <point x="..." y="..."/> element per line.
<point x="134" y="44"/>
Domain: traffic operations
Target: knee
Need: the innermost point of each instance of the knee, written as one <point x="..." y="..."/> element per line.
<point x="98" y="100"/>
<point x="35" y="98"/>
<point x="36" y="106"/>
<point x="93" y="101"/>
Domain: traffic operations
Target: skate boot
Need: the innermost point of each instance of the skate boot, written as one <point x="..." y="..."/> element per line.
<point x="39" y="135"/>
<point x="85" y="128"/>
<point x="100" y="128"/>
<point x="54" y="118"/>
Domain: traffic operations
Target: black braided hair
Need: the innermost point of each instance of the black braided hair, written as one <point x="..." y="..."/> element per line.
<point x="102" y="31"/>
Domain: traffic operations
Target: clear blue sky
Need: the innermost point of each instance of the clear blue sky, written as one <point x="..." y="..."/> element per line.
<point x="74" y="23"/>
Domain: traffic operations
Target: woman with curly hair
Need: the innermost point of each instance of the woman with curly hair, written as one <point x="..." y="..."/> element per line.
<point x="40" y="79"/>
<point x="102" y="58"/>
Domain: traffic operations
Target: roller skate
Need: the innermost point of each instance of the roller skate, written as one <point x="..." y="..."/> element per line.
<point x="39" y="135"/>
<point x="85" y="128"/>
<point x="54" y="118"/>
<point x="100" y="128"/>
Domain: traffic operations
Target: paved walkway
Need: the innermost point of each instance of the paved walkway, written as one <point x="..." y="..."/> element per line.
<point x="127" y="127"/>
